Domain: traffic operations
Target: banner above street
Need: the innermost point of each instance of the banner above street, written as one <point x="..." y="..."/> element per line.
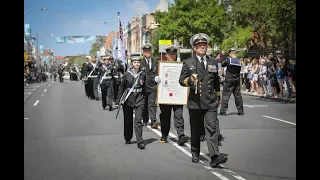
<point x="75" y="39"/>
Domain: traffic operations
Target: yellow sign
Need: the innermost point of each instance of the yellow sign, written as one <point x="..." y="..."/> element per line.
<point x="25" y="56"/>
<point x="165" y="42"/>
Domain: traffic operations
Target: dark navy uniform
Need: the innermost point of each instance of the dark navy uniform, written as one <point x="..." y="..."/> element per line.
<point x="106" y="83"/>
<point x="135" y="101"/>
<point x="60" y="72"/>
<point x="84" y="73"/>
<point x="232" y="84"/>
<point x="203" y="99"/>
<point x="151" y="70"/>
<point x="95" y="80"/>
<point x="118" y="71"/>
<point x="90" y="77"/>
<point x="165" y="115"/>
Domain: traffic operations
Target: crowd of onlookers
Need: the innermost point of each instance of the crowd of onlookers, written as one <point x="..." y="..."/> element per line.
<point x="32" y="76"/>
<point x="270" y="76"/>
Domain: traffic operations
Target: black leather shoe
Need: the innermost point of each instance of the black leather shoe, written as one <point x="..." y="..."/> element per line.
<point x="240" y="114"/>
<point x="141" y="146"/>
<point x="164" y="139"/>
<point x="128" y="141"/>
<point x="110" y="108"/>
<point x="182" y="139"/>
<point x="222" y="113"/>
<point x="216" y="160"/>
<point x="195" y="159"/>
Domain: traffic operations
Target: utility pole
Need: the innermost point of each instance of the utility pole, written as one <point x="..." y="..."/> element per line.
<point x="140" y="33"/>
<point x="37" y="55"/>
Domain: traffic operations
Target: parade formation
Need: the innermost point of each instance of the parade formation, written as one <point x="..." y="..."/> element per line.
<point x="191" y="90"/>
<point x="134" y="91"/>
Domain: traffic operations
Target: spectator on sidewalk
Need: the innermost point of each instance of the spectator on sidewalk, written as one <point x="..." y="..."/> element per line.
<point x="280" y="77"/>
<point x="245" y="74"/>
<point x="262" y="78"/>
<point x="254" y="80"/>
<point x="286" y="69"/>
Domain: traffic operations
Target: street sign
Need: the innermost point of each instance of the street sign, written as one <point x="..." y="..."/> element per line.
<point x="163" y="44"/>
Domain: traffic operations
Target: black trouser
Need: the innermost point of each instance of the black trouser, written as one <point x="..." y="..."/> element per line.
<point x="86" y="87"/>
<point x="128" y="122"/>
<point x="228" y="88"/>
<point x="90" y="88"/>
<point x="115" y="91"/>
<point x="165" y="119"/>
<point x="106" y="93"/>
<point x="95" y="83"/>
<point x="61" y="77"/>
<point x="212" y="130"/>
<point x="246" y="81"/>
<point x="150" y="107"/>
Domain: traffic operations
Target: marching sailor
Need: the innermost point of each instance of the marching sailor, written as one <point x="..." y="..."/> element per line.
<point x="151" y="69"/>
<point x="200" y="73"/>
<point x="106" y="82"/>
<point x="118" y="71"/>
<point x="131" y="97"/>
<point x="165" y="115"/>
<point x="232" y="83"/>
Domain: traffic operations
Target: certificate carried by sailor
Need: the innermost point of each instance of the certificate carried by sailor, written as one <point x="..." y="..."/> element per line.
<point x="169" y="91"/>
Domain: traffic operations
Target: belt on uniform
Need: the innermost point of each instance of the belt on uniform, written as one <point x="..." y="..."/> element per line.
<point x="137" y="90"/>
<point x="115" y="76"/>
<point x="107" y="77"/>
<point x="92" y="76"/>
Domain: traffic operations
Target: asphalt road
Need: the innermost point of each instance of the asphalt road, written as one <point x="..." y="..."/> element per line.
<point x="68" y="137"/>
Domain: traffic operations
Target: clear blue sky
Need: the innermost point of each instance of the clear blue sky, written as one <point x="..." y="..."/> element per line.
<point x="79" y="17"/>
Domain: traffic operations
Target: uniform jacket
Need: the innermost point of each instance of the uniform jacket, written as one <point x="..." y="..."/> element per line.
<point x="151" y="85"/>
<point x="208" y="83"/>
<point x="233" y="69"/>
<point x="118" y="68"/>
<point x="135" y="99"/>
<point x="105" y="74"/>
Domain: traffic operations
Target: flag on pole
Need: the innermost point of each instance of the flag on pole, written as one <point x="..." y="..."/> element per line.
<point x="121" y="42"/>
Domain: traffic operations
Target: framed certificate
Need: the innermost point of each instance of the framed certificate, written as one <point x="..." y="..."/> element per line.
<point x="169" y="91"/>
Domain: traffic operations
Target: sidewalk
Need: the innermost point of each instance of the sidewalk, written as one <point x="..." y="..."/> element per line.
<point x="279" y="99"/>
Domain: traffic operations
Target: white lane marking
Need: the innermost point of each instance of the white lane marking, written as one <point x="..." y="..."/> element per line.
<point x="189" y="154"/>
<point x="201" y="153"/>
<point x="42" y="94"/>
<point x="36" y="103"/>
<point x="279" y="120"/>
<point x="28" y="93"/>
<point x="253" y="106"/>
<point x="44" y="90"/>
<point x="26" y="118"/>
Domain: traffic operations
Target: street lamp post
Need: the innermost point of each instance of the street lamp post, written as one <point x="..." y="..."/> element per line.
<point x="42" y="9"/>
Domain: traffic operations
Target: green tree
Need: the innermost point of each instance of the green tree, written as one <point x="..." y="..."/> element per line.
<point x="100" y="42"/>
<point x="241" y="38"/>
<point x="273" y="21"/>
<point x="188" y="17"/>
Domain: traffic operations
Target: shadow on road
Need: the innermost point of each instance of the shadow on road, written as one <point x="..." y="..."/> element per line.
<point x="149" y="141"/>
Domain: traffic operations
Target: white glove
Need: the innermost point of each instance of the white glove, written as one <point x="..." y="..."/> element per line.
<point x="157" y="79"/>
